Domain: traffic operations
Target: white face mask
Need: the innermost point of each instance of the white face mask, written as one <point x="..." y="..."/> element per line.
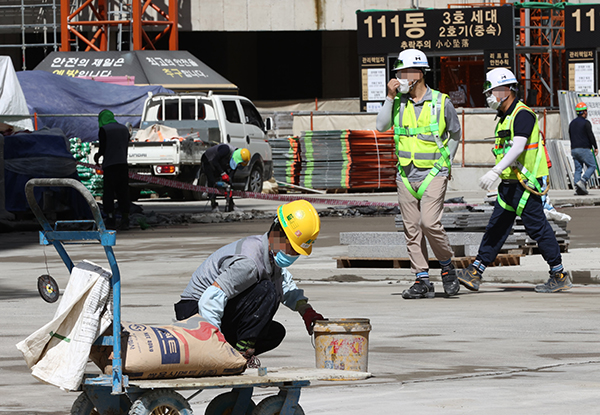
<point x="492" y="102"/>
<point x="405" y="87"/>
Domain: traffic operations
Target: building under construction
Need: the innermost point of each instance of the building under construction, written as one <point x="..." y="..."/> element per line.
<point x="298" y="49"/>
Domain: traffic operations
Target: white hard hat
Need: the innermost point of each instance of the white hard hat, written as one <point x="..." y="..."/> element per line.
<point x="411" y="58"/>
<point x="498" y="77"/>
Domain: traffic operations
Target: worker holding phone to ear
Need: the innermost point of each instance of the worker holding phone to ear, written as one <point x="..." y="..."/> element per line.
<point x="426" y="135"/>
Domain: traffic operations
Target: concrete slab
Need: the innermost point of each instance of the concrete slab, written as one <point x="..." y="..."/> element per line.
<point x="502" y="350"/>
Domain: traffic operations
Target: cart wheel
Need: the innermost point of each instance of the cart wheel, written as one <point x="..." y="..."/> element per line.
<point x="48" y="288"/>
<point x="272" y="406"/>
<point x="161" y="401"/>
<point x="83" y="406"/>
<point x="224" y="403"/>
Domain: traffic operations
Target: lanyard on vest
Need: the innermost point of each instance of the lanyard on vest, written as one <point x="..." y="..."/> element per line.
<point x="520" y="171"/>
<point x="434" y="129"/>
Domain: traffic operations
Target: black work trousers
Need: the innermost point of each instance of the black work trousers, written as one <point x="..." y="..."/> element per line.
<point x="116" y="184"/>
<point x="501" y="224"/>
<point x="249" y="316"/>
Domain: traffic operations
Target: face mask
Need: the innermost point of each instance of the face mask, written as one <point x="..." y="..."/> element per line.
<point x="284" y="260"/>
<point x="232" y="163"/>
<point x="492" y="102"/>
<point x="405" y="87"/>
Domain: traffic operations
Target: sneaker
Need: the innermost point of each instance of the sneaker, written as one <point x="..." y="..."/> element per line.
<point x="580" y="188"/>
<point x="470" y="277"/>
<point x="420" y="289"/>
<point x="449" y="280"/>
<point x="558" y="281"/>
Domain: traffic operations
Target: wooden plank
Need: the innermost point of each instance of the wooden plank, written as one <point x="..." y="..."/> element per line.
<point x="274" y="377"/>
<point x="459" y="262"/>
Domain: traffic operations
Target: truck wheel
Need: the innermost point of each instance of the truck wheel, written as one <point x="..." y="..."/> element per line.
<point x="83" y="406"/>
<point x="255" y="180"/>
<point x="134" y="193"/>
<point x="161" y="401"/>
<point x="190" y="195"/>
<point x="272" y="406"/>
<point x="224" y="403"/>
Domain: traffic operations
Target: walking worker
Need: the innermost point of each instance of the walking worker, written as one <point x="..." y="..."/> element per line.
<point x="583" y="148"/>
<point x="114" y="141"/>
<point x="521" y="165"/>
<point x="218" y="164"/>
<point x="426" y="135"/>
<point x="239" y="287"/>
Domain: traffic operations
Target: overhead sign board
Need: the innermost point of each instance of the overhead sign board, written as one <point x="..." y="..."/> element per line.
<point x="178" y="70"/>
<point x="582" y="26"/>
<point x="436" y="30"/>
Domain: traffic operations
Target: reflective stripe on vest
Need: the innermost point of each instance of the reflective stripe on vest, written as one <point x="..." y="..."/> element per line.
<point x="528" y="157"/>
<point x="405" y="140"/>
<point x="415" y="139"/>
<point x="531" y="163"/>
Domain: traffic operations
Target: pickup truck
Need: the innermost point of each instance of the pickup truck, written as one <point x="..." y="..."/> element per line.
<point x="201" y="120"/>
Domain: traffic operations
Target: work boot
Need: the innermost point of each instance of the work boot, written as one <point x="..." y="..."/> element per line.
<point x="449" y="280"/>
<point x="580" y="188"/>
<point x="470" y="277"/>
<point x="214" y="205"/>
<point x="124" y="225"/>
<point x="110" y="222"/>
<point x="558" y="281"/>
<point x="420" y="289"/>
<point x="247" y="350"/>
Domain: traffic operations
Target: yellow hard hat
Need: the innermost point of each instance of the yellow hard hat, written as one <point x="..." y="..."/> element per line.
<point x="241" y="156"/>
<point x="301" y="224"/>
<point x="245" y="156"/>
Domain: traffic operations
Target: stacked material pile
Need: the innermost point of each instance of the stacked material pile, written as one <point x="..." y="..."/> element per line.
<point x="325" y="159"/>
<point x="337" y="159"/>
<point x="373" y="159"/>
<point x="286" y="159"/>
<point x="89" y="178"/>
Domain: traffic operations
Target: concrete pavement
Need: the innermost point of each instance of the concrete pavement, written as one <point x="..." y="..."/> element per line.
<point x="503" y="350"/>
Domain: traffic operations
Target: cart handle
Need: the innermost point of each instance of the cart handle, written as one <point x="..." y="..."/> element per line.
<point x="61" y="182"/>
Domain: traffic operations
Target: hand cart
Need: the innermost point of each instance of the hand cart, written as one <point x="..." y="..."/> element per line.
<point x="116" y="394"/>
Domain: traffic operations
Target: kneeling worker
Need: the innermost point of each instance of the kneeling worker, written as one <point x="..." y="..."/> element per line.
<point x="520" y="164"/>
<point x="239" y="287"/>
<point x="218" y="163"/>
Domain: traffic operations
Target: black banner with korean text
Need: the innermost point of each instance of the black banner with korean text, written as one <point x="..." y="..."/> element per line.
<point x="582" y="26"/>
<point x="436" y="30"/>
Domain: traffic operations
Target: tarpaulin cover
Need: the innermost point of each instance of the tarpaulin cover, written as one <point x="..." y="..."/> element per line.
<point x="12" y="100"/>
<point x="43" y="153"/>
<point x="53" y="94"/>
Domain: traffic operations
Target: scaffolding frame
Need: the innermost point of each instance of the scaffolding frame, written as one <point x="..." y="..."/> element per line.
<point x="43" y="5"/>
<point x="541" y="52"/>
<point x="129" y="15"/>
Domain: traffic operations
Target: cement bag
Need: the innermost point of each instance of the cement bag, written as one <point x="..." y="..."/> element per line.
<point x="58" y="352"/>
<point x="187" y="348"/>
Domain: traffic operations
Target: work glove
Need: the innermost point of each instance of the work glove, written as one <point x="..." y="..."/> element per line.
<point x="225" y="177"/>
<point x="310" y="316"/>
<point x="487" y="180"/>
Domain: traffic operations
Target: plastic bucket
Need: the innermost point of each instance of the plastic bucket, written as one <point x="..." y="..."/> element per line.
<point x="342" y="344"/>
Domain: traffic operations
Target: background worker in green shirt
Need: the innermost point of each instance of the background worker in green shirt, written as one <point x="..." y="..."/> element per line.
<point x="520" y="164"/>
<point x="426" y="134"/>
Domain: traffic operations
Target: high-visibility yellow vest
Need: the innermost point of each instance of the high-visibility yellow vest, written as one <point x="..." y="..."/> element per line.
<point x="414" y="138"/>
<point x="504" y="136"/>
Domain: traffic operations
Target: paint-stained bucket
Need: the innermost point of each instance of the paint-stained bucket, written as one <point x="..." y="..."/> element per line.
<point x="342" y="344"/>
